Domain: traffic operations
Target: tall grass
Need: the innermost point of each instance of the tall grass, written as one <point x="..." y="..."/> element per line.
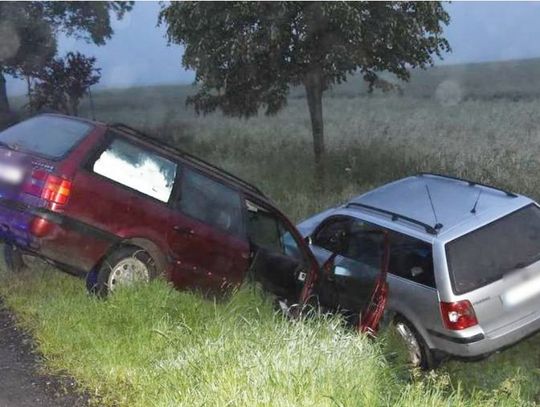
<point x="154" y="346"/>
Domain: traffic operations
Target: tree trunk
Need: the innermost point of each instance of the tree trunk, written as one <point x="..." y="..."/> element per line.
<point x="74" y="104"/>
<point x="314" y="91"/>
<point x="29" y="89"/>
<point x="4" y="104"/>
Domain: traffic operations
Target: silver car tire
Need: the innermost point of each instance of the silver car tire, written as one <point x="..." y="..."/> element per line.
<point x="418" y="353"/>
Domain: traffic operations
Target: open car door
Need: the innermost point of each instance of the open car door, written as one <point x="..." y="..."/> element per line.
<point x="280" y="259"/>
<point x="358" y="286"/>
<point x="372" y="314"/>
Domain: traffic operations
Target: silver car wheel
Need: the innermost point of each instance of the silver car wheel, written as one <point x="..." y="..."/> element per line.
<point x="127" y="272"/>
<point x="411" y="343"/>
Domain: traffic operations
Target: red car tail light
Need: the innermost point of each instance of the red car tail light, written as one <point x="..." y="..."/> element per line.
<point x="50" y="187"/>
<point x="458" y="315"/>
<point x="56" y="190"/>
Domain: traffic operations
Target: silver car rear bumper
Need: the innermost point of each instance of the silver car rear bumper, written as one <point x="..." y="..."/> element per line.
<point x="481" y="344"/>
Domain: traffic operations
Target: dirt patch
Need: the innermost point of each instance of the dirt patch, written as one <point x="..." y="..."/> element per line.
<point x="21" y="381"/>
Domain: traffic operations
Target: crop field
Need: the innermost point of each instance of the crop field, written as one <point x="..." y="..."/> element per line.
<point x="155" y="346"/>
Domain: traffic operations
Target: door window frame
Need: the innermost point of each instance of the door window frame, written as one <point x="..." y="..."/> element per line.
<point x="333" y="218"/>
<point x="176" y="198"/>
<point x="307" y="256"/>
<point x="325" y="223"/>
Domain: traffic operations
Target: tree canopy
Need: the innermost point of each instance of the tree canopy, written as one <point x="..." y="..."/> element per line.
<point x="29" y="30"/>
<point x="247" y="55"/>
<point x="62" y="83"/>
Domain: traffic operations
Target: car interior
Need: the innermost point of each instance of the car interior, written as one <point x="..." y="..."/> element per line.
<point x="351" y="281"/>
<point x="276" y="260"/>
<point x="411" y="259"/>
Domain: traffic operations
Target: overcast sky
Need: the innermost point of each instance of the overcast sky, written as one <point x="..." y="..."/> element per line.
<point x="138" y="53"/>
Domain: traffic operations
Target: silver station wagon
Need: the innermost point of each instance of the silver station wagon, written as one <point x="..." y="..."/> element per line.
<point x="464" y="269"/>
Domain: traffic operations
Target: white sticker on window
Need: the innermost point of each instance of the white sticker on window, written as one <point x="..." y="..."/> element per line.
<point x="145" y="175"/>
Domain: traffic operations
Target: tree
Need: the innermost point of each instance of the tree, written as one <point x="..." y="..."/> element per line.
<point x="29" y="29"/>
<point x="247" y="55"/>
<point x="27" y="42"/>
<point x="61" y="84"/>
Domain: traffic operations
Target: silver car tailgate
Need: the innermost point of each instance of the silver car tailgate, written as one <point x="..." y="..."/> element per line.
<point x="508" y="303"/>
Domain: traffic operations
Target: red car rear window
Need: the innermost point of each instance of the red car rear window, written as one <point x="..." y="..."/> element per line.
<point x="48" y="136"/>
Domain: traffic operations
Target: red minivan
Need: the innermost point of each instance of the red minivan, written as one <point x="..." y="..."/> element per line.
<point x="121" y="206"/>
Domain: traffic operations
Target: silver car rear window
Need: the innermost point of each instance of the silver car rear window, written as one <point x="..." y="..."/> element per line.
<point x="488" y="253"/>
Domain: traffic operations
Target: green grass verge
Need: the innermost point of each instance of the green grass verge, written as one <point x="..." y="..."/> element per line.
<point x="156" y="346"/>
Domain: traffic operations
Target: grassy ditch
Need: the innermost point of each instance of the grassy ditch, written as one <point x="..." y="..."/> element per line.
<point x="154" y="346"/>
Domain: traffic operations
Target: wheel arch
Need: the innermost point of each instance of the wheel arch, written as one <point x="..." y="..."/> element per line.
<point x="395" y="315"/>
<point x="147" y="245"/>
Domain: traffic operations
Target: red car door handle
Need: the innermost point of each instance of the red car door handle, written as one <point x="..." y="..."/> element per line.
<point x="183" y="230"/>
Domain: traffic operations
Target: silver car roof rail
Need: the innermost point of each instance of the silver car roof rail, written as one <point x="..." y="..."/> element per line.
<point x="471" y="183"/>
<point x="432" y="230"/>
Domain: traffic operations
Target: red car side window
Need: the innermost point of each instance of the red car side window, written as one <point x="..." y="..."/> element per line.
<point x="211" y="202"/>
<point x="137" y="168"/>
